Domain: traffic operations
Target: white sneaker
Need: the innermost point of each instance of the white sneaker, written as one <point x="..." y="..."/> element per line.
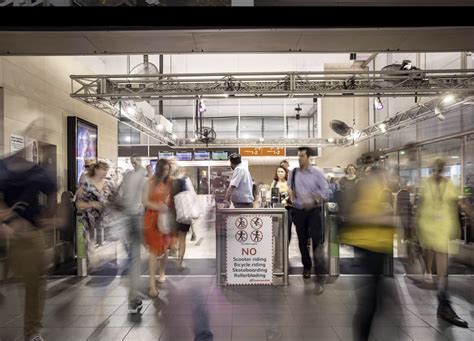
<point x="36" y="338"/>
<point x="428" y="278"/>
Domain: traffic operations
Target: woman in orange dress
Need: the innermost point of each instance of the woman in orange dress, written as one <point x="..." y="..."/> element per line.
<point x="157" y="200"/>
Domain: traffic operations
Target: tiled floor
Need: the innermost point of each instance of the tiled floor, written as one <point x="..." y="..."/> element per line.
<point x="96" y="309"/>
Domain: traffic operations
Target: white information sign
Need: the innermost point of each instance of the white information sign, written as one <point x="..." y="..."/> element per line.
<point x="249" y="249"/>
<point x="17" y="143"/>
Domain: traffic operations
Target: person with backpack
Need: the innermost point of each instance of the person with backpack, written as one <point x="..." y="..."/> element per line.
<point x="308" y="189"/>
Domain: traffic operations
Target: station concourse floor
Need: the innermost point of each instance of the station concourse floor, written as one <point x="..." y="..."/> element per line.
<point x="95" y="308"/>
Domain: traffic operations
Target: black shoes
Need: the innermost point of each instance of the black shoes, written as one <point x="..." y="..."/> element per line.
<point x="306" y="273"/>
<point x="446" y="312"/>
<point x="135" y="307"/>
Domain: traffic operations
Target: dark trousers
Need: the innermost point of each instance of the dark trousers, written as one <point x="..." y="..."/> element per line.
<point x="308" y="225"/>
<point x="368" y="292"/>
<point x="290" y="223"/>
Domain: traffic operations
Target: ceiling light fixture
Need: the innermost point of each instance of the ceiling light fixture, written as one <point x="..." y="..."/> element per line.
<point x="330" y="140"/>
<point x="448" y="99"/>
<point x="383" y="127"/>
<point x="202" y="106"/>
<point x="439" y="114"/>
<point x="378" y="105"/>
<point x="262" y="139"/>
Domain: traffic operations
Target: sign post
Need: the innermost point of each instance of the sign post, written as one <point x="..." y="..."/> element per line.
<point x="249" y="249"/>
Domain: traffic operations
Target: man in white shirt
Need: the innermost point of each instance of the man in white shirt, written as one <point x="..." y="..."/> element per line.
<point x="240" y="189"/>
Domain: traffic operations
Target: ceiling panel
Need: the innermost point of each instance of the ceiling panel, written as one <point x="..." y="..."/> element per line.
<point x="233" y="41"/>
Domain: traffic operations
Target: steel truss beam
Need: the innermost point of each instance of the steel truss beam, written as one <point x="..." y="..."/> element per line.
<point x="272" y="85"/>
<point x="412" y="116"/>
<point x="316" y="142"/>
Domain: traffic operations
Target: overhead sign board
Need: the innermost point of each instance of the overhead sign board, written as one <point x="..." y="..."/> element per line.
<point x="262" y="151"/>
<point x="249" y="249"/>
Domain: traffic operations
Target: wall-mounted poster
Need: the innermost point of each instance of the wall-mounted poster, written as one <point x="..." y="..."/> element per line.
<point x="17" y="143"/>
<point x="82" y="146"/>
<point x="32" y="150"/>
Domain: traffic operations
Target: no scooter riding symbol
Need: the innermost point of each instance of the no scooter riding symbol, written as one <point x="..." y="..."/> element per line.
<point x="241" y="236"/>
<point x="241" y="223"/>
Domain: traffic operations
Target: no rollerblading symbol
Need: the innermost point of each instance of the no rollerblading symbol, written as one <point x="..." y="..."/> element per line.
<point x="241" y="223"/>
<point x="241" y="236"/>
<point x="256" y="236"/>
<point x="256" y="223"/>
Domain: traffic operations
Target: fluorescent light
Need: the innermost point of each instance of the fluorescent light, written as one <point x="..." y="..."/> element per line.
<point x="383" y="127"/>
<point x="402" y="152"/>
<point x="378" y="105"/>
<point x="454" y="157"/>
<point x="330" y="140"/>
<point x="289" y="136"/>
<point x="448" y="99"/>
<point x="128" y="139"/>
<point x="262" y="139"/>
<point x="192" y="140"/>
<point x="245" y="136"/>
<point x="174" y="137"/>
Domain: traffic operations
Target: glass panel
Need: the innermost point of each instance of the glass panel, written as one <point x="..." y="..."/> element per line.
<point x="401" y="137"/>
<point x="434" y="128"/>
<point x="202" y="180"/>
<point x="220" y="177"/>
<point x="469" y="161"/>
<point x="450" y="152"/>
<point x="408" y="168"/>
<point x="468" y="117"/>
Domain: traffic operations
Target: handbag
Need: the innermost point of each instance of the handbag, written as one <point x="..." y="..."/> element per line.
<point x="185" y="204"/>
<point x="165" y="221"/>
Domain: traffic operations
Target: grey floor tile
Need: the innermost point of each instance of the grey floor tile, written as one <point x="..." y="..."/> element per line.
<point x="248" y="333"/>
<point x="220" y="320"/>
<point x="117" y="321"/>
<point x="421" y="308"/>
<point x="11" y="334"/>
<point x="109" y="334"/>
<point x="248" y="320"/>
<point x="89" y="321"/>
<point x="457" y="334"/>
<point x="175" y="334"/>
<point x="424" y="333"/>
<point x="219" y="308"/>
<point x="144" y="334"/>
<point x="344" y="320"/>
<point x="389" y="333"/>
<point x="69" y="334"/>
<point x="412" y="321"/>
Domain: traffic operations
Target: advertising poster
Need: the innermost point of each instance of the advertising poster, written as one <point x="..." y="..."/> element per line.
<point x="32" y="150"/>
<point x="86" y="145"/>
<point x="249" y="249"/>
<point x="17" y="143"/>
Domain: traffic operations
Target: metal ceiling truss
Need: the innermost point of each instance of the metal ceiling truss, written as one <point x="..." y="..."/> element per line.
<point x="412" y="116"/>
<point x="312" y="142"/>
<point x="272" y="85"/>
<point x="109" y="92"/>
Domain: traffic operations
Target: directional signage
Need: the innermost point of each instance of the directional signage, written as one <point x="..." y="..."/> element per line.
<point x="262" y="151"/>
<point x="249" y="249"/>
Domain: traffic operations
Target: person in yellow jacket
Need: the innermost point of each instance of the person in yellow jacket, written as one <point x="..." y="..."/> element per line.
<point x="438" y="222"/>
<point x="369" y="228"/>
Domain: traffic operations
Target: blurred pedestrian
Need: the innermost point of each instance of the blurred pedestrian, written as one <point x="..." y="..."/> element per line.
<point x="438" y="223"/>
<point x="132" y="194"/>
<point x="308" y="189"/>
<point x="158" y="202"/>
<point x="23" y="222"/>
<point x="369" y="228"/>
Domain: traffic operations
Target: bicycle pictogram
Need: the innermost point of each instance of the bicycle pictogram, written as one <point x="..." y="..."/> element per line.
<point x="241" y="223"/>
<point x="241" y="236"/>
<point x="256" y="236"/>
<point x="256" y="223"/>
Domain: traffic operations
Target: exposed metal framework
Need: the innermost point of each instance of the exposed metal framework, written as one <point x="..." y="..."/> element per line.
<point x="316" y="142"/>
<point x="110" y="92"/>
<point x="412" y="116"/>
<point x="100" y="88"/>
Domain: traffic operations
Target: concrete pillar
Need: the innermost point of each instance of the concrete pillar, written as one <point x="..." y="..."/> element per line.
<point x="344" y="109"/>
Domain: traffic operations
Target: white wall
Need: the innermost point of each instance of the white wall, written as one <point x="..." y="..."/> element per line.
<point x="39" y="87"/>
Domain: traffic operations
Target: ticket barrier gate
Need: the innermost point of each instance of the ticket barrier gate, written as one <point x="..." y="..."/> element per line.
<point x="330" y="220"/>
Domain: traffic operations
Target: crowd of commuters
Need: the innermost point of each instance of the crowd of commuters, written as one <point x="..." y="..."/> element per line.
<point x="146" y="201"/>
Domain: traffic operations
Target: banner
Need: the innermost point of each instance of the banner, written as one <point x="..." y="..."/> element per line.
<point x="249" y="249"/>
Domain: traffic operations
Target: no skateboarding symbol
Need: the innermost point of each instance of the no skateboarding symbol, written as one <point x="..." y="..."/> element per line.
<point x="241" y="236"/>
<point x="256" y="223"/>
<point x="241" y="223"/>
